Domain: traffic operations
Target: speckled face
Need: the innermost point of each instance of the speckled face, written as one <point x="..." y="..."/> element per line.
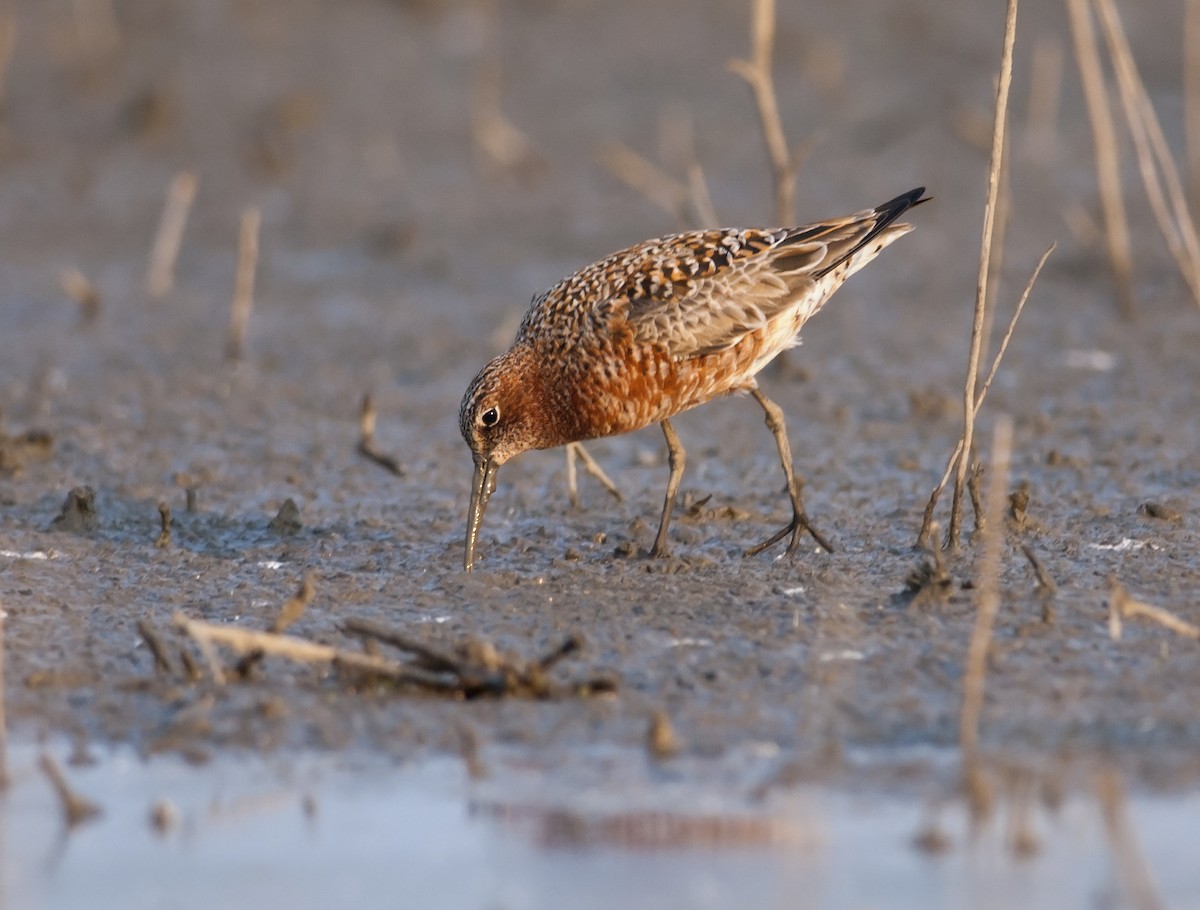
<point x="493" y="414"/>
<point x="497" y="422"/>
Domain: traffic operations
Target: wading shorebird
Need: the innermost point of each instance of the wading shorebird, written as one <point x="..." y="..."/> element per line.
<point x="659" y="328"/>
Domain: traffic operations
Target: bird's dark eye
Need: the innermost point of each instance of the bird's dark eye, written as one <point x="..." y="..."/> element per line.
<point x="490" y="417"/>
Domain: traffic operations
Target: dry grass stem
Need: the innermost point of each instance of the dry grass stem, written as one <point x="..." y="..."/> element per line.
<point x="973" y="490"/>
<point x="1012" y="325"/>
<point x="1106" y="149"/>
<point x="244" y="641"/>
<point x="164" y="533"/>
<point x="1191" y="96"/>
<point x="646" y="178"/>
<point x="8" y="44"/>
<point x="160" y="273"/>
<point x="1045" y="580"/>
<point x="76" y="286"/>
<point x="3" y="713"/>
<point x="927" y="521"/>
<point x="688" y="203"/>
<point x="158" y="650"/>
<point x="576" y="451"/>
<point x="662" y="742"/>
<point x="1121" y="607"/>
<point x="1160" y="176"/>
<point x="677" y="142"/>
<point x="476" y="668"/>
<point x="700" y="198"/>
<point x="243" y="289"/>
<point x="1131" y="867"/>
<point x="293" y="608"/>
<point x="76" y="809"/>
<point x="757" y="73"/>
<point x="985" y="255"/>
<point x="366" y="439"/>
<point x="988" y="602"/>
<point x="999" y="235"/>
<point x="496" y="138"/>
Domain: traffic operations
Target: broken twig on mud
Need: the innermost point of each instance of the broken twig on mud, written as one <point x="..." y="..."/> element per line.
<point x="366" y="439"/>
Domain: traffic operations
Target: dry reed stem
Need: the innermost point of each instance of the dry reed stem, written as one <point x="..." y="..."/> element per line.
<point x="685" y="202"/>
<point x="1044" y="579"/>
<point x="3" y="713"/>
<point x="246" y="641"/>
<point x="989" y="595"/>
<point x="243" y="289"/>
<point x="757" y="73"/>
<point x="662" y="742"/>
<point x="700" y="197"/>
<point x="1191" y="96"/>
<point x="76" y="809"/>
<point x="643" y="176"/>
<point x="1106" y="149"/>
<point x="8" y="44"/>
<point x="164" y="526"/>
<point x="158" y="650"/>
<point x="1121" y="606"/>
<point x="1131" y="867"/>
<point x="501" y="141"/>
<point x="293" y="608"/>
<point x="160" y="273"/>
<point x="985" y="254"/>
<point x="496" y="138"/>
<point x="366" y="439"/>
<point x="927" y="522"/>
<point x="999" y="235"/>
<point x="77" y="286"/>
<point x="677" y="143"/>
<point x="1160" y="176"/>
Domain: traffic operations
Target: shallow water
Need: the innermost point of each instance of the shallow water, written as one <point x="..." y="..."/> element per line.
<point x="315" y="830"/>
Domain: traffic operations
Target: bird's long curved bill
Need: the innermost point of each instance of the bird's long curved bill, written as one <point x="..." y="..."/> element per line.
<point x="481" y="489"/>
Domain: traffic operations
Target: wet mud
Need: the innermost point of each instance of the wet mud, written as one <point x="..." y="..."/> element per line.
<point x="398" y="250"/>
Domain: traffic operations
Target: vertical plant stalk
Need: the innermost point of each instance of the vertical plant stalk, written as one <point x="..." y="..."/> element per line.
<point x="160" y="274"/>
<point x="989" y="594"/>
<point x="1191" y="96"/>
<point x="1108" y="164"/>
<point x="8" y="44"/>
<point x="3" y="715"/>
<point x="243" y="289"/>
<point x="985" y="254"/>
<point x="1160" y="176"/>
<point x="757" y="73"/>
<point x="927" y="523"/>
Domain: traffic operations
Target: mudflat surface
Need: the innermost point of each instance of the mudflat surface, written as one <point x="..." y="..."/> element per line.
<point x="397" y="255"/>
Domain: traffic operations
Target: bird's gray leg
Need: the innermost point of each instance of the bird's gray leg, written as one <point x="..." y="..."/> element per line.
<point x="676" y="458"/>
<point x="576" y="450"/>
<point x="572" y="477"/>
<point x="800" y="522"/>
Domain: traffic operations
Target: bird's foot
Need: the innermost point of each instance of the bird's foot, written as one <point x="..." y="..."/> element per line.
<point x="796" y="528"/>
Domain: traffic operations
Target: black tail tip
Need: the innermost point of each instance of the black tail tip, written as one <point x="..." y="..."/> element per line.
<point x="904" y="201"/>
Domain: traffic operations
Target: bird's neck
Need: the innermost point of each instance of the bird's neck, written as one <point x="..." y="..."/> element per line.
<point x="546" y="392"/>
